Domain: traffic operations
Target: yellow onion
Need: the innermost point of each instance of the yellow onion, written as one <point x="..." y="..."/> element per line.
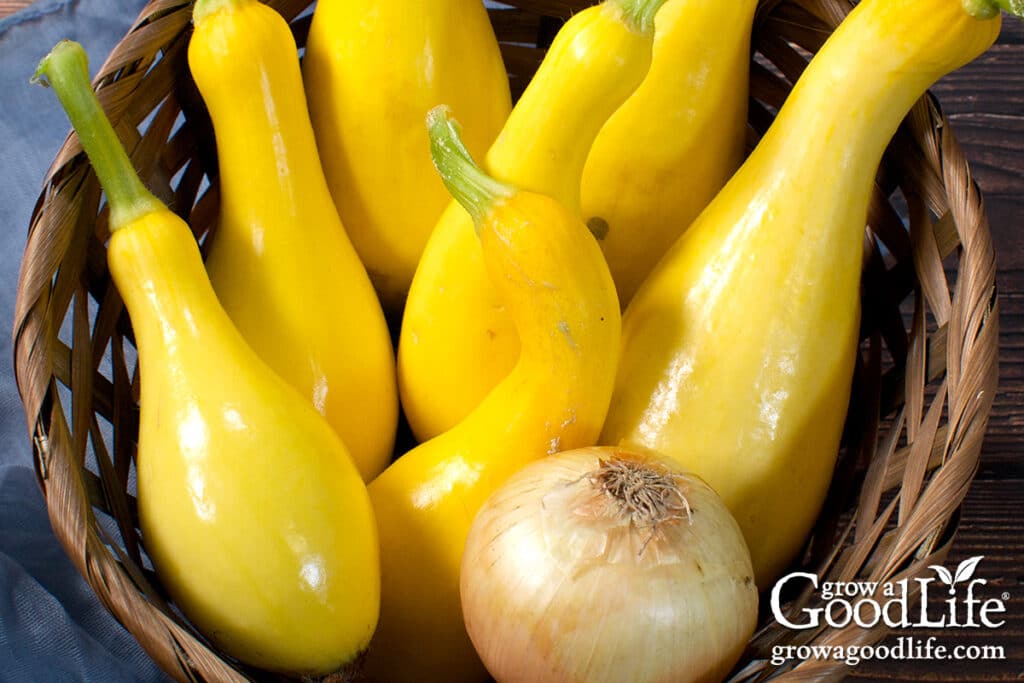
<point x="601" y="564"/>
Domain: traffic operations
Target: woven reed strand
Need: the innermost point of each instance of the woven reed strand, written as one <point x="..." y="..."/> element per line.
<point x="8" y="7"/>
<point x="924" y="384"/>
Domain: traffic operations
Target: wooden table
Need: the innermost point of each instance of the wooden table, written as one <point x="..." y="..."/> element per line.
<point x="985" y="102"/>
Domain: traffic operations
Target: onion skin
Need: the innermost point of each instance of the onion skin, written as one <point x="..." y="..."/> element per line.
<point x="560" y="583"/>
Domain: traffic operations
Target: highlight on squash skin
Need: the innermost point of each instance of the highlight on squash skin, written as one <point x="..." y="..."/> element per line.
<point x="552" y="276"/>
<point x="280" y="259"/>
<point x="458" y="340"/>
<point x="761" y="422"/>
<point x="251" y="510"/>
<point x="373" y="68"/>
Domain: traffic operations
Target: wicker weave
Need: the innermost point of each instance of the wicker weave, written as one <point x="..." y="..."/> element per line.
<point x="11" y="6"/>
<point x="923" y="389"/>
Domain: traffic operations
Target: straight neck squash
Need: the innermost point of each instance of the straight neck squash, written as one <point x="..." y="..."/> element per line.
<point x="280" y="260"/>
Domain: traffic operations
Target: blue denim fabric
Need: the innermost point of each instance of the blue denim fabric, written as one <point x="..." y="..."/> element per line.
<point x="52" y="627"/>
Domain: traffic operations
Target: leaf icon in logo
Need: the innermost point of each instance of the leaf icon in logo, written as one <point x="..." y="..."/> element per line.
<point x="944" y="575"/>
<point x="964" y="571"/>
<point x="966" y="568"/>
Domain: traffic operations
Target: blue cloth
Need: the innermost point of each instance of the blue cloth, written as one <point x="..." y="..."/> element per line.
<point x="52" y="627"/>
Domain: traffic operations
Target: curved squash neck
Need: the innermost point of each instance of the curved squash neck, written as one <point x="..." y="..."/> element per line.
<point x="848" y="104"/>
<point x="563" y="321"/>
<point x="594" y="64"/>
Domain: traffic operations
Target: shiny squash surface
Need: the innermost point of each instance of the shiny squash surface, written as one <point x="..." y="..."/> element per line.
<point x="256" y="519"/>
<point x="251" y="510"/>
<point x="738" y="349"/>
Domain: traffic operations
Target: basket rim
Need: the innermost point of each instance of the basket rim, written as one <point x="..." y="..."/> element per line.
<point x="48" y="293"/>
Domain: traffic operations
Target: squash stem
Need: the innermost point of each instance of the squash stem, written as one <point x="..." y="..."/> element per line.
<point x="987" y="9"/>
<point x="466" y="181"/>
<point x="204" y="8"/>
<point x="66" y="70"/>
<point x="639" y="14"/>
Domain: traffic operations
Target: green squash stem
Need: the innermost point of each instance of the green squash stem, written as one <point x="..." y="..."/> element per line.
<point x="204" y="8"/>
<point x="66" y="70"/>
<point x="466" y="181"/>
<point x="639" y="13"/>
<point x="986" y="9"/>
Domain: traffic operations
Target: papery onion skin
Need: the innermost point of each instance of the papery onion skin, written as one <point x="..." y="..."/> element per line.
<point x="561" y="583"/>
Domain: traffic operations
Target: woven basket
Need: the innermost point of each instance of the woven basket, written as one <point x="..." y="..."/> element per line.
<point x="923" y="389"/>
